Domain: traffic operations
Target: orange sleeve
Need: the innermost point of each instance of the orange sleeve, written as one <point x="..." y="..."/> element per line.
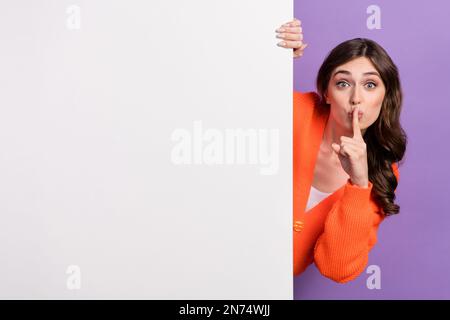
<point x="341" y="252"/>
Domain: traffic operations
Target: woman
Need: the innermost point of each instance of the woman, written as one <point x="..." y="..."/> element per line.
<point x="347" y="144"/>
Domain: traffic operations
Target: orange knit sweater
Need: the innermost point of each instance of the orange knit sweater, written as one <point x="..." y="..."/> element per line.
<point x="338" y="233"/>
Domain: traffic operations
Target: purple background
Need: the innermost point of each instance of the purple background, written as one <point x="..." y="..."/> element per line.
<point x="413" y="249"/>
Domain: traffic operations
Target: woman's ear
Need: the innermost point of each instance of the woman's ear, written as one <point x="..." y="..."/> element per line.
<point x="326" y="98"/>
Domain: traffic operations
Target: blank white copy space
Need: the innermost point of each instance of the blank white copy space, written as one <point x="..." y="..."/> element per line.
<point x="92" y="95"/>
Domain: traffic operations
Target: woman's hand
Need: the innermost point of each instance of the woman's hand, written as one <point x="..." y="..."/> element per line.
<point x="291" y="34"/>
<point x="352" y="154"/>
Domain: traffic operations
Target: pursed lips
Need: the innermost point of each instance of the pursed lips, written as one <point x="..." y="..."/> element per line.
<point x="360" y="114"/>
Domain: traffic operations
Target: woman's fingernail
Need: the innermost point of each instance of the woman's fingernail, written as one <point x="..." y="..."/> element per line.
<point x="280" y="29"/>
<point x="281" y="44"/>
<point x="280" y="36"/>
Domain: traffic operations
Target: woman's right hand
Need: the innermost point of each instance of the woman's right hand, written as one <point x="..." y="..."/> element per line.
<point x="291" y="34"/>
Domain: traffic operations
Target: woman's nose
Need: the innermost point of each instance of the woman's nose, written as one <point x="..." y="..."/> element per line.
<point x="355" y="97"/>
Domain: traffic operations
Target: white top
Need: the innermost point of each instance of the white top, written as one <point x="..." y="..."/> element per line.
<point x="315" y="196"/>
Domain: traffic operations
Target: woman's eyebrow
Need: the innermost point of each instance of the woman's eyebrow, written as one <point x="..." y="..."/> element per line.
<point x="349" y="73"/>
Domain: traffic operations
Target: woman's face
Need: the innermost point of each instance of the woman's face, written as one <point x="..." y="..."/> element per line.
<point x="355" y="83"/>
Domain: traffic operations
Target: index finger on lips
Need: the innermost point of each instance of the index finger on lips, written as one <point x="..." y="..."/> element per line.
<point x="356" y="128"/>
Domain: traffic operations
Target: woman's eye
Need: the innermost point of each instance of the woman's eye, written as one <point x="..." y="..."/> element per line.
<point x="341" y="84"/>
<point x="344" y="84"/>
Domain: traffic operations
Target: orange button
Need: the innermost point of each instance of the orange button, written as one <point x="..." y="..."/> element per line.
<point x="299" y="225"/>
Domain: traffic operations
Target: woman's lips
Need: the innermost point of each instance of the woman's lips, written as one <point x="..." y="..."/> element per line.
<point x="360" y="114"/>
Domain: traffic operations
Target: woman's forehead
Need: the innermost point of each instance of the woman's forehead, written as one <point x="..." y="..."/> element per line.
<point x="361" y="66"/>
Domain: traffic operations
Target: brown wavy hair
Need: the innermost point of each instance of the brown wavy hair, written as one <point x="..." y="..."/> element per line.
<point x="385" y="138"/>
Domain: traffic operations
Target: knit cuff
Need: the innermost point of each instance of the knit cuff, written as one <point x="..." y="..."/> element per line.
<point x="355" y="196"/>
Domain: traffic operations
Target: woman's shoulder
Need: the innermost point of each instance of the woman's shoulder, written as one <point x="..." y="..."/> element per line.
<point x="306" y="101"/>
<point x="307" y="104"/>
<point x="395" y="170"/>
<point x="308" y="98"/>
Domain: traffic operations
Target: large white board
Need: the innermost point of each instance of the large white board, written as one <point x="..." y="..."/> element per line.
<point x="145" y="150"/>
